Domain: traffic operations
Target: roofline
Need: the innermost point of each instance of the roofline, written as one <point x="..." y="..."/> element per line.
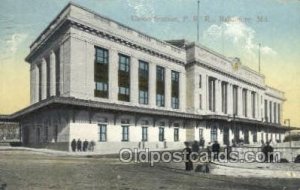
<point x="70" y="101"/>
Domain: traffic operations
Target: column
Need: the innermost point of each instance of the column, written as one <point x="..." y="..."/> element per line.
<point x="32" y="83"/>
<point x="152" y="85"/>
<point x="240" y="101"/>
<point x="218" y="96"/>
<point x="52" y="74"/>
<point x="113" y="68"/>
<point x="44" y="79"/>
<point x="204" y="93"/>
<point x="229" y="99"/>
<point x="270" y="107"/>
<point x="134" y="82"/>
<point x="182" y="91"/>
<point x="167" y="87"/>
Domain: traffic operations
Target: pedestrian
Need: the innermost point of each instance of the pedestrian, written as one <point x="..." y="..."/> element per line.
<point x="92" y="145"/>
<point x="187" y="157"/>
<point x="195" y="150"/>
<point x="268" y="152"/>
<point x="73" y="145"/>
<point x="216" y="149"/>
<point x="79" y="145"/>
<point x="85" y="145"/>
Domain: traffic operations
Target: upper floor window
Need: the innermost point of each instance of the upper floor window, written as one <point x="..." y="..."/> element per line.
<point x="101" y="56"/>
<point x="160" y="73"/>
<point x="176" y="134"/>
<point x="124" y="62"/>
<point x="143" y="69"/>
<point x="161" y="135"/>
<point x="200" y="81"/>
<point x="175" y="90"/>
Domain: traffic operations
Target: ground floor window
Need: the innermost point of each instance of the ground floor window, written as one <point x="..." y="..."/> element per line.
<point x="102" y="132"/>
<point x="214" y="134"/>
<point x="200" y="133"/>
<point x="246" y="136"/>
<point x="254" y="136"/>
<point x="176" y="134"/>
<point x="125" y="133"/>
<point x="161" y="136"/>
<point x="144" y="133"/>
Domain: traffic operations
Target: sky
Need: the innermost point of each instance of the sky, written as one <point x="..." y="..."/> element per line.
<point x="231" y="27"/>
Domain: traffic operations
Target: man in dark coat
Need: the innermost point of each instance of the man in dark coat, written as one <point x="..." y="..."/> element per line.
<point x="79" y="145"/>
<point x="268" y="152"/>
<point x="73" y="145"/>
<point x="216" y="149"/>
<point x="187" y="157"/>
<point x="85" y="145"/>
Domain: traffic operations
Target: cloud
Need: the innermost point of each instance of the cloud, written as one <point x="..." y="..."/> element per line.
<point x="239" y="34"/>
<point x="142" y="8"/>
<point x="11" y="43"/>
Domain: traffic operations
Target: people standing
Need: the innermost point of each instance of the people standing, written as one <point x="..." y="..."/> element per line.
<point x="85" y="145"/>
<point x="92" y="145"/>
<point x="79" y="145"/>
<point x="195" y="150"/>
<point x="202" y="143"/>
<point x="73" y="145"/>
<point x="187" y="157"/>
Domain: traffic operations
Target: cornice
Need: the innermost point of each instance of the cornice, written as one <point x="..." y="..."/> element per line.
<point x="206" y="66"/>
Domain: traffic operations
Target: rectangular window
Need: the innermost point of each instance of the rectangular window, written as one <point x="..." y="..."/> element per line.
<point x="254" y="136"/>
<point x="48" y="76"/>
<point x="160" y="86"/>
<point x="279" y="111"/>
<point x="274" y="112"/>
<point x="176" y="134"/>
<point x="244" y="99"/>
<point x="213" y="135"/>
<point x="40" y="82"/>
<point x="125" y="133"/>
<point x="212" y="94"/>
<point x="224" y="97"/>
<point x="57" y="71"/>
<point x="102" y="132"/>
<point x="200" y="102"/>
<point x="144" y="134"/>
<point x="235" y="100"/>
<point x="270" y="108"/>
<point x="175" y="90"/>
<point x="101" y="72"/>
<point x="200" y="81"/>
<point x="124" y="78"/>
<point x="200" y="133"/>
<point x="161" y="135"/>
<point x="253" y="96"/>
<point x="143" y="82"/>
<point x="266" y="110"/>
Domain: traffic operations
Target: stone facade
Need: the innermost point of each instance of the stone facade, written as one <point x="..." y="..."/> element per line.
<point x="62" y="62"/>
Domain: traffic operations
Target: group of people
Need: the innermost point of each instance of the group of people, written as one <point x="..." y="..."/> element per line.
<point x="84" y="146"/>
<point x="196" y="148"/>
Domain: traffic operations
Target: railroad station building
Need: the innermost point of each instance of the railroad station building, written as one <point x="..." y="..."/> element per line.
<point x="94" y="78"/>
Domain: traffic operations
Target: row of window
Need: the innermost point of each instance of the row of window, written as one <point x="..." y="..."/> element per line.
<point x="144" y="135"/>
<point x="102" y="87"/>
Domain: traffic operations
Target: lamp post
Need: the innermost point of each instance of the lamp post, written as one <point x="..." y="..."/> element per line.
<point x="288" y="122"/>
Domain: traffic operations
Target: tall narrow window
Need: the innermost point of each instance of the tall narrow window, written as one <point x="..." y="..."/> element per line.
<point x="125" y="133"/>
<point x="160" y="86"/>
<point x="48" y="76"/>
<point x="235" y="100"/>
<point x="266" y="110"/>
<point x="176" y="134"/>
<point x="144" y="134"/>
<point x="200" y="81"/>
<point x="244" y="96"/>
<point x="101" y="72"/>
<point x="270" y="108"/>
<point x="124" y="78"/>
<point x="213" y="134"/>
<point x="253" y="96"/>
<point x="246" y="136"/>
<point x="175" y="90"/>
<point x="40" y="82"/>
<point x="275" y="112"/>
<point x="200" y="133"/>
<point x="224" y="97"/>
<point x="212" y="94"/>
<point x="102" y="132"/>
<point x="57" y="71"/>
<point x="279" y="112"/>
<point x="254" y="136"/>
<point x="161" y="135"/>
<point x="200" y="102"/>
<point x="143" y="82"/>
